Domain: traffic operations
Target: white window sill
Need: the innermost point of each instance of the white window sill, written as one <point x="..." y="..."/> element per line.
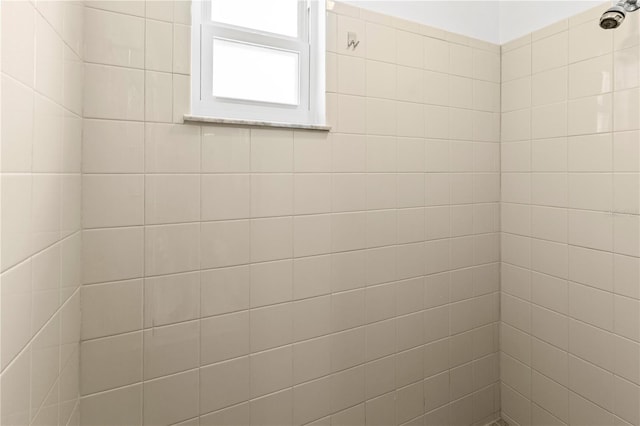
<point x="253" y="123"/>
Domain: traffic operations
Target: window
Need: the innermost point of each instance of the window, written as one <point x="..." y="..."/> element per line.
<point x="259" y="60"/>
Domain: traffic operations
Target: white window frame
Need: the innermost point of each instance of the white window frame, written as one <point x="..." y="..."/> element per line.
<point x="310" y="46"/>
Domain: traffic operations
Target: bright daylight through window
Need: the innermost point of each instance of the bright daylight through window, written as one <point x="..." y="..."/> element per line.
<point x="259" y="60"/>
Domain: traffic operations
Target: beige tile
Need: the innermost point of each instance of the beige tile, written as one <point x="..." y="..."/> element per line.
<point x="112" y="147"/>
<point x="271" y="151"/>
<point x="312" y="151"/>
<point x="351" y="75"/>
<point x="517" y="63"/>
<point x="271" y="195"/>
<point x="111" y="362"/>
<point x="550" y="52"/>
<point x="225" y="150"/>
<point x="181" y="49"/>
<point x="171" y="399"/>
<point x="112" y="200"/>
<point x="224" y="384"/>
<point x="18" y="104"/>
<point x="583" y="411"/>
<point x="158" y="48"/>
<point x="114" y="38"/>
<point x="409" y="84"/>
<point x="436" y="55"/>
<point x="275" y="409"/>
<point x="158" y="94"/>
<point x="380" y="43"/>
<point x="98" y="408"/>
<point x="271" y="371"/>
<point x="16" y="218"/>
<point x="271" y="326"/>
<point x="224" y="337"/>
<point x="238" y="414"/>
<point x="625" y="68"/>
<point x="171" y="299"/>
<point x="112" y="254"/>
<point x="172" y="148"/>
<point x="271" y="239"/>
<point x="549" y="86"/>
<point x="311" y="401"/>
<point x="18" y="23"/>
<point x="460" y="60"/>
<point x="111" y="308"/>
<point x="591" y="77"/>
<point x="113" y="92"/>
<point x="409" y="49"/>
<point x="627" y="111"/>
<point x="225" y="196"/>
<point x="586" y="41"/>
<point x="311" y="359"/>
<point x="225" y="243"/>
<point x="271" y="283"/>
<point x="591" y="382"/>
<point x="592" y="306"/>
<point x="172" y="248"/>
<point x="311" y="276"/>
<point x="49" y="57"/>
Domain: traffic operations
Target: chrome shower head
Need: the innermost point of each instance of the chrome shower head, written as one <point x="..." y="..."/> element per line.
<point x="614" y="16"/>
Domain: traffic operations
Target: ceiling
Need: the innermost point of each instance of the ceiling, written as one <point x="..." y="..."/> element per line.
<point x="497" y="21"/>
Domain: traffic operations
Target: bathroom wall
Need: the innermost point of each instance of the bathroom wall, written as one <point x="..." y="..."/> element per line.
<point x="571" y="230"/>
<point x="40" y="143"/>
<point x="257" y="276"/>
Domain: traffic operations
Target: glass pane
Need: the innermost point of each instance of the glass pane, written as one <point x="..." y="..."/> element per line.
<point x="255" y="73"/>
<point x="274" y="16"/>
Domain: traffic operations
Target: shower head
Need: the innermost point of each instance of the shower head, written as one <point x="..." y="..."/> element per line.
<point x="614" y="16"/>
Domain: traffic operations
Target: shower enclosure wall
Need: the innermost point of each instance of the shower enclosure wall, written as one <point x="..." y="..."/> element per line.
<point x="253" y="276"/>
<point x="570" y="318"/>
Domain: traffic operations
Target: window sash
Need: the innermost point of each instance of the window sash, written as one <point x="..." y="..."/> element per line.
<point x="303" y="22"/>
<point x="209" y="32"/>
<point x="309" y="45"/>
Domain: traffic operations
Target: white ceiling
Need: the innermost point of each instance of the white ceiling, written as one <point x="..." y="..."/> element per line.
<point x="496" y="21"/>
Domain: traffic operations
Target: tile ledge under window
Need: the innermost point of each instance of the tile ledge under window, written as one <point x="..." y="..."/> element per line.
<point x="253" y="123"/>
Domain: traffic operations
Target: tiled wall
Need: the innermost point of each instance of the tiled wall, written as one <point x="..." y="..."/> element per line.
<point x="254" y="276"/>
<point x="41" y="121"/>
<point x="571" y="230"/>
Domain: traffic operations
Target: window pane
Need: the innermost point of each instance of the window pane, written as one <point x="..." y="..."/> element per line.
<point x="255" y="73"/>
<point x="274" y="16"/>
